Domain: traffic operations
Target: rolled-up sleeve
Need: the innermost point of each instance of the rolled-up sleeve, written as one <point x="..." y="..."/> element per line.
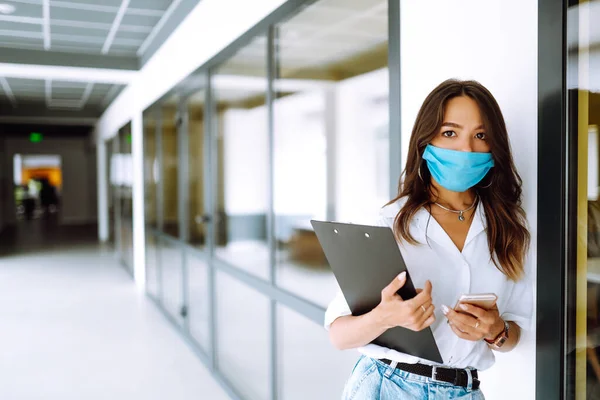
<point x="519" y="308"/>
<point x="337" y="308"/>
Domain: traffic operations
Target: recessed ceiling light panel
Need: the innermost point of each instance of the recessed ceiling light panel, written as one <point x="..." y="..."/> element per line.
<point x="6" y="8"/>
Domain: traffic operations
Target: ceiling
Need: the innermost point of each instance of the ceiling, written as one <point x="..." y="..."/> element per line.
<point x="108" y="27"/>
<point x="324" y="38"/>
<point x="325" y="41"/>
<point x="107" y="34"/>
<point x="59" y="95"/>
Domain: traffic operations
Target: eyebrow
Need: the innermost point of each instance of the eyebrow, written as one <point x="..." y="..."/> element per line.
<point x="455" y="125"/>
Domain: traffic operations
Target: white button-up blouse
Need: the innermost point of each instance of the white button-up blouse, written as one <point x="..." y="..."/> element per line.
<point x="452" y="273"/>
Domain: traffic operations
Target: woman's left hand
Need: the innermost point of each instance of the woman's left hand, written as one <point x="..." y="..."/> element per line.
<point x="478" y="324"/>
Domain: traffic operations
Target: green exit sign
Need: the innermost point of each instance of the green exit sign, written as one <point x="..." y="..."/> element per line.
<point x="35" y="137"/>
<point x="129" y="140"/>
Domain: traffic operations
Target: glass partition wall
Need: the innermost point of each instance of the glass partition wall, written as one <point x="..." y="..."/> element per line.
<point x="121" y="178"/>
<point x="152" y="160"/>
<point x="238" y="158"/>
<point x="583" y="111"/>
<point x="330" y="132"/>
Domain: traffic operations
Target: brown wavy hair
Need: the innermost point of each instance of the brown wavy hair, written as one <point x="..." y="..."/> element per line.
<point x="499" y="192"/>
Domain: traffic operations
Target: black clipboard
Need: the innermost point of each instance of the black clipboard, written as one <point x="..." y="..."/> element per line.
<point x="364" y="260"/>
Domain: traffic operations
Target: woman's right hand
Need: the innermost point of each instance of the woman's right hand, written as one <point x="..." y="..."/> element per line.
<point x="415" y="314"/>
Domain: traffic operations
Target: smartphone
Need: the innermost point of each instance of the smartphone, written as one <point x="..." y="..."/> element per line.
<point x="483" y="300"/>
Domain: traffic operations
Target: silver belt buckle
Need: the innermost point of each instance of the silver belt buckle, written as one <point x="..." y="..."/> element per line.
<point x="434" y="374"/>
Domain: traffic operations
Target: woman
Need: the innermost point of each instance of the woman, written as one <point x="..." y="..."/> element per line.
<point x="461" y="229"/>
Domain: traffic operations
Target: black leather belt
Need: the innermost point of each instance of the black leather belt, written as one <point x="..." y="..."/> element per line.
<point x="457" y="377"/>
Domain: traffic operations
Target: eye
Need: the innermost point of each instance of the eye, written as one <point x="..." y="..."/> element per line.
<point x="449" y="134"/>
<point x="480" y="135"/>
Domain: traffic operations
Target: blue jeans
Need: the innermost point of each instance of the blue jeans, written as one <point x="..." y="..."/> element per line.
<point x="372" y="379"/>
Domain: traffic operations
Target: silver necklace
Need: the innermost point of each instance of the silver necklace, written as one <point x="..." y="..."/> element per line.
<point x="460" y="213"/>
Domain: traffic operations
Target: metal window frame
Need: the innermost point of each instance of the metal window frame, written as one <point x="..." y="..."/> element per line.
<point x="160" y="197"/>
<point x="395" y="104"/>
<point x="159" y="187"/>
<point x="554" y="231"/>
<point x="126" y="260"/>
<point x="117" y="207"/>
<point x="149" y="176"/>
<point x="210" y="208"/>
<point x="299" y="304"/>
<point x="272" y="72"/>
<point x="182" y="127"/>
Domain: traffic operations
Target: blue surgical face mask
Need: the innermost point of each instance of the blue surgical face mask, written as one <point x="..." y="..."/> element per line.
<point x="457" y="171"/>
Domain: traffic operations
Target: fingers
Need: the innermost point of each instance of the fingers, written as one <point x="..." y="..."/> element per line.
<point x="427" y="323"/>
<point x="429" y="311"/>
<point x="423" y="321"/>
<point x="467" y="329"/>
<point x="389" y="292"/>
<point x="464" y="322"/>
<point x="423" y="297"/>
<point x="486" y="318"/>
<point x="460" y="334"/>
<point x="428" y="287"/>
<point x="466" y="326"/>
<point x="473" y="310"/>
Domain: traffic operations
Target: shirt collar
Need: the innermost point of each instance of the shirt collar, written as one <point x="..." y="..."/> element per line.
<point x="430" y="228"/>
<point x="478" y="225"/>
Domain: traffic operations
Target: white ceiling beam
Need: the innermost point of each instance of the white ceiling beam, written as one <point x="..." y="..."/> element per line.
<point x="110" y="95"/>
<point x="21" y="34"/>
<point x="76" y="86"/>
<point x="158" y="27"/>
<point x="72" y="74"/>
<point x="64" y="104"/>
<point x="95" y="40"/>
<point x="98" y="25"/>
<point x="48" y="91"/>
<point x="83" y="6"/>
<point x="115" y="26"/>
<point x="99" y="8"/>
<point x="86" y="95"/>
<point x="21" y="20"/>
<point x="34" y="2"/>
<point x="46" y="25"/>
<point x="136" y="28"/>
<point x="8" y="91"/>
<point x="146" y="12"/>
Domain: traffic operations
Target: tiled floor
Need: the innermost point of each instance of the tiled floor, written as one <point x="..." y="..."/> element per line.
<point x="73" y="326"/>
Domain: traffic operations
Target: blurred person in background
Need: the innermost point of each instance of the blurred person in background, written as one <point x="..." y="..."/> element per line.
<point x="48" y="197"/>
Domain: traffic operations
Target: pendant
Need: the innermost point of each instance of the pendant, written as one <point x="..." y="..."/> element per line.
<point x="461" y="217"/>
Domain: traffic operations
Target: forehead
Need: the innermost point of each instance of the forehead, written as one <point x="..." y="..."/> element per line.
<point x="462" y="109"/>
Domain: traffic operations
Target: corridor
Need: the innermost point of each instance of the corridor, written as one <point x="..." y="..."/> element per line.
<point x="73" y="325"/>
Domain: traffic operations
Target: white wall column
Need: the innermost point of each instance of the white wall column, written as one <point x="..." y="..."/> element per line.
<point x="331" y="140"/>
<point x="102" y="171"/>
<point x="139" y="232"/>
